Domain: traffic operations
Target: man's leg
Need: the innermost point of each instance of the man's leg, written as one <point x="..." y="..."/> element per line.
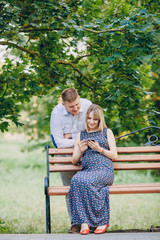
<point x="66" y="180"/>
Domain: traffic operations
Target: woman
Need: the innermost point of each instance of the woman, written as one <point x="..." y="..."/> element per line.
<point x="89" y="189"/>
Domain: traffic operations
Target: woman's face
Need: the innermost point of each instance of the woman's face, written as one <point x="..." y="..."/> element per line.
<point x="92" y="122"/>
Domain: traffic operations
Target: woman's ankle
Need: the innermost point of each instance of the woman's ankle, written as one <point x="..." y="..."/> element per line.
<point x="84" y="226"/>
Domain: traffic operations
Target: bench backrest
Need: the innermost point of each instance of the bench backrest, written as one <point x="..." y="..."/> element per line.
<point x="129" y="158"/>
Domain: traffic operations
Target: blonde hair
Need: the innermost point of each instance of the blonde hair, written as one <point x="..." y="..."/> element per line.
<point x="69" y="94"/>
<point x="98" y="114"/>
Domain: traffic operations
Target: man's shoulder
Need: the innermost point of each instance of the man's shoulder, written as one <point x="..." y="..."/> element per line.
<point x="58" y="108"/>
<point x="85" y="101"/>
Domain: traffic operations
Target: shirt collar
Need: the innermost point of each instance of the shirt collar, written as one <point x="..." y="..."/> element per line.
<point x="64" y="110"/>
<point x="81" y="110"/>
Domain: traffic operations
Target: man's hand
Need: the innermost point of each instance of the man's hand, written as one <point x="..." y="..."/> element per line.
<point x="68" y="135"/>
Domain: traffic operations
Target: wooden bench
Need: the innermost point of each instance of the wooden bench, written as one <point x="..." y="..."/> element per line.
<point x="129" y="158"/>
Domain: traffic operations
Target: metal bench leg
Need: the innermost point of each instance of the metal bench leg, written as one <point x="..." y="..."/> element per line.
<point x="48" y="215"/>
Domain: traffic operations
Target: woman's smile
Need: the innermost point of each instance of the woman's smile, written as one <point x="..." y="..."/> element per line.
<point x="92" y="122"/>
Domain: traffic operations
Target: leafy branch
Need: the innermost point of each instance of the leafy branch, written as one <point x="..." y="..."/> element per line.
<point x="40" y="29"/>
<point x="80" y="73"/>
<point x="60" y="29"/>
<point x="79" y="58"/>
<point x="10" y="44"/>
<point x="102" y="31"/>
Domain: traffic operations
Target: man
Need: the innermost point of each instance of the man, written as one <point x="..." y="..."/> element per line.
<point x="67" y="119"/>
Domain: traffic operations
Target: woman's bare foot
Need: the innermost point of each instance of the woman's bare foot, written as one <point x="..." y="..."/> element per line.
<point x="84" y="226"/>
<point x="84" y="229"/>
<point x="101" y="229"/>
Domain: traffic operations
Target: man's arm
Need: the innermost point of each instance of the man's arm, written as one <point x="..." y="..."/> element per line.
<point x="68" y="135"/>
<point x="57" y="132"/>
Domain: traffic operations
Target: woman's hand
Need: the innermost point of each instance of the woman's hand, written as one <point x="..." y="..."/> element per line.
<point x="83" y="146"/>
<point x="94" y="145"/>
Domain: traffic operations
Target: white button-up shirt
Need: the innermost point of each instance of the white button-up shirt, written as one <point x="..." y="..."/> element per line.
<point x="62" y="122"/>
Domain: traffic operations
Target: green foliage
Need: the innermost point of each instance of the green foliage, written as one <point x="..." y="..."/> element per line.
<point x="120" y="42"/>
<point x="5" y="228"/>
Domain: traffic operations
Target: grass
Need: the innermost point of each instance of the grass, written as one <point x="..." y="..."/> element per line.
<point x="22" y="200"/>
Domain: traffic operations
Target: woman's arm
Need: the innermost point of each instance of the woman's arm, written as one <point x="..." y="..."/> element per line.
<point x="112" y="153"/>
<point x="79" y="148"/>
<point x="76" y="152"/>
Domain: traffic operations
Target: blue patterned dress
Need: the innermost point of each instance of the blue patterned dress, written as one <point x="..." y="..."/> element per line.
<point x="89" y="189"/>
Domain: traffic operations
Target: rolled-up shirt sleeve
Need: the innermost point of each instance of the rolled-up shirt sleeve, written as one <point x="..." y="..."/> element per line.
<point x="74" y="135"/>
<point x="57" y="132"/>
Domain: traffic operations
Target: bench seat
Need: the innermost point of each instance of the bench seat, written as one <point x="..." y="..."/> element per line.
<point x="114" y="189"/>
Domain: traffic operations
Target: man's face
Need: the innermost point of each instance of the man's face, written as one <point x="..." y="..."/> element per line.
<point x="73" y="107"/>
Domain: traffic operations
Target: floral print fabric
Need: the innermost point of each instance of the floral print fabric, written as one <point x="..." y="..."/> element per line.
<point x="89" y="189"/>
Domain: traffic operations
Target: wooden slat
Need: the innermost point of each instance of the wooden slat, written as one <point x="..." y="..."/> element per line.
<point x="137" y="158"/>
<point x="121" y="158"/>
<point x="114" y="189"/>
<point x="138" y="185"/>
<point x="63" y="151"/>
<point x="60" y="160"/>
<point x="64" y="168"/>
<point x="118" y="166"/>
<point x="133" y="190"/>
<point x="136" y="166"/>
<point x="58" y="191"/>
<point x="146" y="149"/>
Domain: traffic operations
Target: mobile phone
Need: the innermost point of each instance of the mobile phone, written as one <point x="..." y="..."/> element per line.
<point x="91" y="140"/>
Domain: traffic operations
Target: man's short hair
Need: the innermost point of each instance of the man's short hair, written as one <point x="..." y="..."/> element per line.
<point x="69" y="94"/>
